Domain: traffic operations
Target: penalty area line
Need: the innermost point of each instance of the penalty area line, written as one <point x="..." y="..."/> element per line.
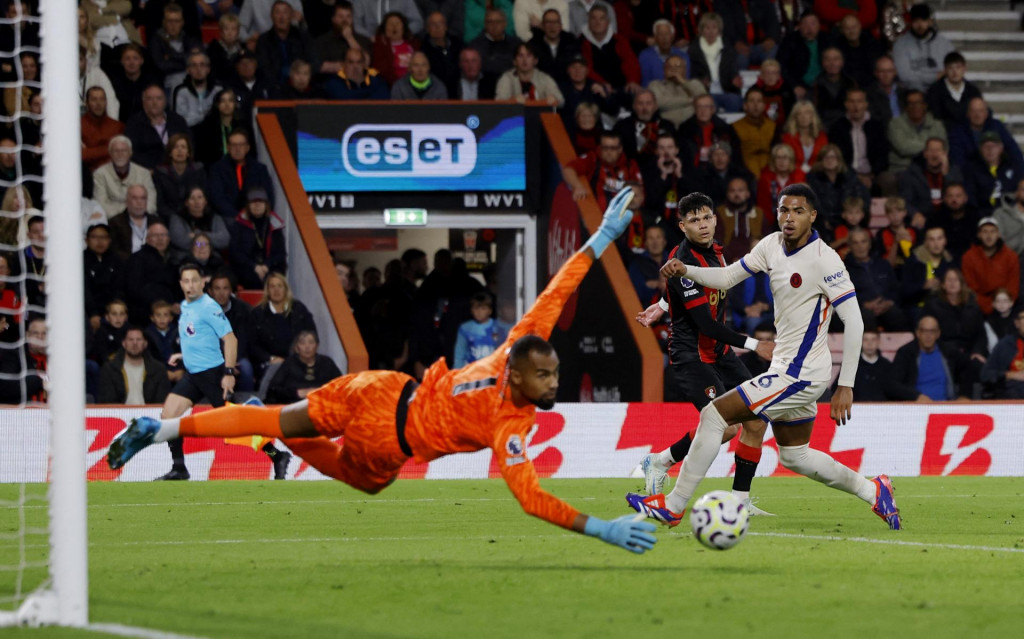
<point x="889" y="542"/>
<point x="132" y="631"/>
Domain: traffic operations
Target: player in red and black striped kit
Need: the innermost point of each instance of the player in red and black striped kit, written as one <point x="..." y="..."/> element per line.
<point x="699" y="350"/>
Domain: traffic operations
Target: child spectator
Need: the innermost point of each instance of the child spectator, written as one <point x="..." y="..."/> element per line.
<point x="852" y="218"/>
<point x="162" y="335"/>
<point x="108" y="337"/>
<point x="895" y="242"/>
<point x="478" y="337"/>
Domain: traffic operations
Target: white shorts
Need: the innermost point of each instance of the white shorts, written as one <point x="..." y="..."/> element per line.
<point x="782" y="400"/>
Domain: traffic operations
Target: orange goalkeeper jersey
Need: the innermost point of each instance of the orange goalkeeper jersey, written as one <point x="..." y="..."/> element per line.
<point x="469" y="409"/>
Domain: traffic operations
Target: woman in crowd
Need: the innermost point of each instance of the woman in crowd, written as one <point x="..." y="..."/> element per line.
<point x="197" y="217"/>
<point x="714" y="63"/>
<point x="211" y="135"/>
<point x="959" y="316"/>
<point x="273" y="325"/>
<point x="780" y="172"/>
<point x="588" y="129"/>
<point x="176" y="177"/>
<point x="805" y="134"/>
<point x="302" y="371"/>
<point x="393" y="47"/>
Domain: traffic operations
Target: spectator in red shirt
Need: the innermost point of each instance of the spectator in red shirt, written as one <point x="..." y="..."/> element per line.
<point x="990" y="265"/>
<point x="97" y="129"/>
<point x="608" y="171"/>
<point x="393" y="47"/>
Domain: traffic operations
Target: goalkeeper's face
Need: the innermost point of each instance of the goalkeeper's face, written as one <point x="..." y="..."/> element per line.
<point x="536" y="379"/>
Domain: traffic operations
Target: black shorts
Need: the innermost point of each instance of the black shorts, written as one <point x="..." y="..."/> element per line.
<point x="699" y="383"/>
<point x="202" y="385"/>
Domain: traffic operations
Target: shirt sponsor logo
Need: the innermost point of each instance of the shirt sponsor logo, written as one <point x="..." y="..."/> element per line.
<point x="834" y="276"/>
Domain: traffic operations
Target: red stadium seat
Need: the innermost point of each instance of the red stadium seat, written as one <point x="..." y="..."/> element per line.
<point x="251" y="296"/>
<point x="209" y="32"/>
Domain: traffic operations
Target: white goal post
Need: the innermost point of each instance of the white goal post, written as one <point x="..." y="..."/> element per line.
<point x="64" y="599"/>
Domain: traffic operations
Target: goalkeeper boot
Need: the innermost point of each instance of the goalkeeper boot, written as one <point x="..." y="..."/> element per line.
<point x="654" y="475"/>
<point x="280" y="460"/>
<point x="885" y="502"/>
<point x="131" y="440"/>
<point x="653" y="506"/>
<point x="176" y="473"/>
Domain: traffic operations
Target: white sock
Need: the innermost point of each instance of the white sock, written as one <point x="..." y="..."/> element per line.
<point x="744" y="495"/>
<point x="664" y="459"/>
<point x="168" y="430"/>
<point x="706" y="442"/>
<point x="823" y="468"/>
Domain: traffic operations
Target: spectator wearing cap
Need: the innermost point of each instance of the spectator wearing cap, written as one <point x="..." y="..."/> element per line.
<point x="419" y="83"/>
<point x="1010" y="218"/>
<point x="554" y="46"/>
<point x="948" y="98"/>
<point x="990" y="265"/>
<point x="965" y="138"/>
<point x="652" y="59"/>
<point x="257" y="240"/>
<point x="990" y="173"/>
<point x="526" y="82"/>
<point x="355" y="81"/>
<point x="609" y="56"/>
<point x="234" y="174"/>
<point x="920" y="51"/>
<point x="579" y="88"/>
<point x="248" y="84"/>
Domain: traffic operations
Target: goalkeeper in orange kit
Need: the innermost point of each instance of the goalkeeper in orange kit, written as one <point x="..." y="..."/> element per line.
<point x="387" y="418"/>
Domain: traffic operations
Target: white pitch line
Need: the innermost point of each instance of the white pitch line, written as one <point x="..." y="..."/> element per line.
<point x="265" y="502"/>
<point x="890" y="542"/>
<point x="132" y="631"/>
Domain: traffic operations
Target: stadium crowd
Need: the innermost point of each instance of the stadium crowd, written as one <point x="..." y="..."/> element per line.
<point x="652" y="94"/>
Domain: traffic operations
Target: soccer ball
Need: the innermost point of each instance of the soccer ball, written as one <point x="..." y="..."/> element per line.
<point x="719" y="520"/>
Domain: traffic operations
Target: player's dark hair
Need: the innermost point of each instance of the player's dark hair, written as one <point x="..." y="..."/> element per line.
<point x="521" y="349"/>
<point x="801" y="190"/>
<point x="765" y="327"/>
<point x="694" y="202"/>
<point x="482" y="298"/>
<point x="189" y="266"/>
<point x="753" y="89"/>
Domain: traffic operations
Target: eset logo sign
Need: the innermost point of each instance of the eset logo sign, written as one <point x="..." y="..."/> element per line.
<point x="412" y="150"/>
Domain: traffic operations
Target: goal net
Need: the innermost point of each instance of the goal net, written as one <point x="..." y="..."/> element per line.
<point x="43" y="576"/>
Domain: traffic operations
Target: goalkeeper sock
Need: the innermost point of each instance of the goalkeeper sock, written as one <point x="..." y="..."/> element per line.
<point x="234" y="421"/>
<point x="681" y="448"/>
<point x="747" y="458"/>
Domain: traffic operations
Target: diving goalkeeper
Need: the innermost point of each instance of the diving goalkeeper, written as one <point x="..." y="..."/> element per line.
<point x="387" y="418"/>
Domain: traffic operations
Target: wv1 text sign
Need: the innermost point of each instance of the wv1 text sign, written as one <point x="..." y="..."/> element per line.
<point x="359" y="148"/>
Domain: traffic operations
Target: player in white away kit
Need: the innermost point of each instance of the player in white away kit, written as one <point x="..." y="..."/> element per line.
<point x="808" y="281"/>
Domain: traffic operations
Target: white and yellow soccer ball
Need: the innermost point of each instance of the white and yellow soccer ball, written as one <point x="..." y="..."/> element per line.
<point x="719" y="520"/>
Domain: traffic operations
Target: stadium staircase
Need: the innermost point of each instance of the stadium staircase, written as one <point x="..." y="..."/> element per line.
<point x="989" y="34"/>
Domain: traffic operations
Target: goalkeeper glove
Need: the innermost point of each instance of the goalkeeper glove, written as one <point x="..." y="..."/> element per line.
<point x="629" y="532"/>
<point x="616" y="218"/>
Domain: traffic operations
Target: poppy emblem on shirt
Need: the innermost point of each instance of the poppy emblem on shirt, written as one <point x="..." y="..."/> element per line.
<point x="795" y="280"/>
<point x="190" y="329"/>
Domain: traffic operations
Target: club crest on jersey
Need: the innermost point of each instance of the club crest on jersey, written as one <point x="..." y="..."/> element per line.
<point x="710" y="392"/>
<point x="795" y="280"/>
<point x="685" y="282"/>
<point x="190" y="329"/>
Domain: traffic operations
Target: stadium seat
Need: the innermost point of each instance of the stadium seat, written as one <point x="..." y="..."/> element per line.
<point x="250" y="296"/>
<point x="209" y="32"/>
<point x="892" y="342"/>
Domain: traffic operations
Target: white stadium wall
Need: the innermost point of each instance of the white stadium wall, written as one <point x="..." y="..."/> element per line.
<point x="591" y="440"/>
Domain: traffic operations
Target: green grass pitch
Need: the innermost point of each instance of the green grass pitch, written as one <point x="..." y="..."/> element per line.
<point x="460" y="559"/>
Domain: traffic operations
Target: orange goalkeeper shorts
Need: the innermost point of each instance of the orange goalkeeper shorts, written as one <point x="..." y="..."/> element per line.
<point x="362" y="408"/>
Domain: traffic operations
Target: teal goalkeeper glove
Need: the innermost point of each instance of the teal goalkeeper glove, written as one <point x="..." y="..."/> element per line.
<point x="616" y="218"/>
<point x="628" y="531"/>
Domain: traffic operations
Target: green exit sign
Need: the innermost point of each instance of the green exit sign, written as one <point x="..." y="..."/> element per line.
<point x="405" y="217"/>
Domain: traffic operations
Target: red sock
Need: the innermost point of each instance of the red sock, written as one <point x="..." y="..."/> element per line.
<point x="233" y="421"/>
<point x="748" y="453"/>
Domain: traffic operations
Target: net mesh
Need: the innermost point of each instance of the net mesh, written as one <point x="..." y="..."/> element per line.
<point x="24" y="546"/>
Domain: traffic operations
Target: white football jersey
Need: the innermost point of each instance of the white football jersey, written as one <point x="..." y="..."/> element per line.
<point x="806" y="284"/>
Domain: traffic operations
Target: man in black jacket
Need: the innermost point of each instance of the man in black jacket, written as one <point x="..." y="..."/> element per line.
<point x="133" y="376"/>
<point x="150" y="129"/>
<point x="875" y="381"/>
<point x="800" y="54"/>
<point x="863" y="141"/>
<point x="937" y="372"/>
<point x="237" y="311"/>
<point x="1004" y="368"/>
